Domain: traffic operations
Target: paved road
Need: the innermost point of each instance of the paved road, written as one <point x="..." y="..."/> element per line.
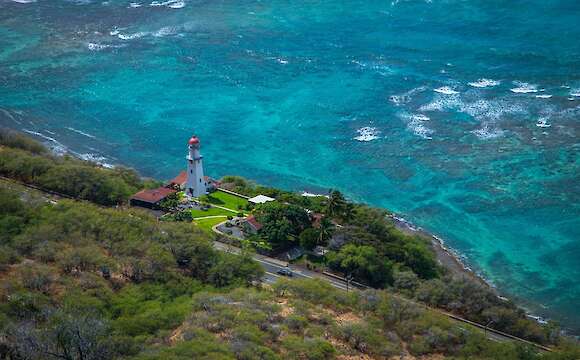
<point x="272" y="266"/>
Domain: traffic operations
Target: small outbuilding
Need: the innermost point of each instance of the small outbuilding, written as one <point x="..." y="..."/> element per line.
<point x="252" y="225"/>
<point x="179" y="182"/>
<point x="261" y="199"/>
<point x="150" y="198"/>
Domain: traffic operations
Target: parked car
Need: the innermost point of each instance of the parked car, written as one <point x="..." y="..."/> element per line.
<point x="285" y="272"/>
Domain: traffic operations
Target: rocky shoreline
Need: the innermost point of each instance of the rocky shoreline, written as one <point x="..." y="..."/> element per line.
<point x="444" y="256"/>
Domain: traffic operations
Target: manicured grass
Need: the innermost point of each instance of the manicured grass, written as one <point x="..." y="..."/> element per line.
<point x="224" y="199"/>
<point x="207" y="224"/>
<point x="212" y="211"/>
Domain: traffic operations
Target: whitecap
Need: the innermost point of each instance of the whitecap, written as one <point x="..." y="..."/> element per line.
<point x="575" y="93"/>
<point x="484" y="83"/>
<point x="420" y="130"/>
<point x="165" y="31"/>
<point x="486" y="133"/>
<point x="416" y="124"/>
<point x="135" y="5"/>
<point x="544" y="96"/>
<point x="24" y="1"/>
<point x="97" y="159"/>
<point x="543" y="123"/>
<point x="309" y="194"/>
<point x="177" y="5"/>
<point x="446" y="90"/>
<point x="367" y="133"/>
<point x="100" y="47"/>
<point x="406" y="97"/>
<point x="524" y="88"/>
<point x="173" y="4"/>
<point x="131" y="36"/>
<point x="81" y="132"/>
<point x="55" y="146"/>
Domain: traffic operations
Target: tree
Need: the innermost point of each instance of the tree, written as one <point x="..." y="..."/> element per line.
<point x="335" y="204"/>
<point x="363" y="263"/>
<point x="325" y="231"/>
<point x="309" y="238"/>
<point x="65" y="336"/>
<point x="281" y="222"/>
<point x="232" y="269"/>
<point x="421" y="261"/>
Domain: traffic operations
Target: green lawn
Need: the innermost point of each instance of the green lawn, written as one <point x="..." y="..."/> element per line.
<point x="212" y="211"/>
<point x="207" y="224"/>
<point x="224" y="199"/>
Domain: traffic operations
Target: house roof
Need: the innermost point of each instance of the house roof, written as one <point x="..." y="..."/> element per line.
<point x="260" y="199"/>
<point x="182" y="179"/>
<point x="194" y="140"/>
<point x="253" y="222"/>
<point x="179" y="179"/>
<point x="153" y="196"/>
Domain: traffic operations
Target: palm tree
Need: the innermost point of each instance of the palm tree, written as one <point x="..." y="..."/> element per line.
<point x="335" y="203"/>
<point x="325" y="230"/>
<point x="348" y="212"/>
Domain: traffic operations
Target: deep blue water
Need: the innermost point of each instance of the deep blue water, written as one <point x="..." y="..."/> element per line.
<point x="285" y="92"/>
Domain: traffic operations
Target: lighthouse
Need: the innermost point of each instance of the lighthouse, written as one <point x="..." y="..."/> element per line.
<point x="195" y="185"/>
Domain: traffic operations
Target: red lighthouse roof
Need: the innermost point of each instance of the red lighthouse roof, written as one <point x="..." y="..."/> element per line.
<point x="194" y="140"/>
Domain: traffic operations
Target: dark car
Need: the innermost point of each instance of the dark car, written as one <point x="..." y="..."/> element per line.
<point x="285" y="272"/>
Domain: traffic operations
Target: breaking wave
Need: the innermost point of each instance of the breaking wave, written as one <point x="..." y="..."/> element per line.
<point x="446" y="90"/>
<point x="484" y="83"/>
<point x="367" y="133"/>
<point x="524" y="88"/>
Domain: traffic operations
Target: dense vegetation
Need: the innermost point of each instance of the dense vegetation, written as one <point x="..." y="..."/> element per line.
<point x="365" y="244"/>
<point x="28" y="161"/>
<point x="78" y="281"/>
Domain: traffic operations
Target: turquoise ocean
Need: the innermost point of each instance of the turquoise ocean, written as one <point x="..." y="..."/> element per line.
<point x="461" y="115"/>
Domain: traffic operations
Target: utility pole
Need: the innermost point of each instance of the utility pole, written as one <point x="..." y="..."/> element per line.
<point x="348" y="281"/>
<point x="486" y="327"/>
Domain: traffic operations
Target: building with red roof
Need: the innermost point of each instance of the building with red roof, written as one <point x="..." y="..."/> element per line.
<point x="252" y="225"/>
<point x="150" y="198"/>
<point x="179" y="182"/>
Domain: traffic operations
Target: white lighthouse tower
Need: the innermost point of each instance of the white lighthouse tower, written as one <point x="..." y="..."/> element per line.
<point x="195" y="185"/>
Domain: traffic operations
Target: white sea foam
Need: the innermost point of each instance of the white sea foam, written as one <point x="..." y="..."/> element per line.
<point x="56" y="147"/>
<point x="484" y="83"/>
<point x="376" y="66"/>
<point x="406" y="97"/>
<point x="575" y="93"/>
<point x="309" y="194"/>
<point x="173" y="4"/>
<point x="416" y="124"/>
<point x="97" y="159"/>
<point x="166" y="31"/>
<point x="177" y="5"/>
<point x="524" y="88"/>
<point x="367" y="133"/>
<point x="546" y="96"/>
<point x="100" y="47"/>
<point x="446" y="90"/>
<point x="24" y="1"/>
<point x="485" y="132"/>
<point x="132" y="36"/>
<point x="81" y="132"/>
<point x="135" y="5"/>
<point x="419" y="129"/>
<point x="543" y="123"/>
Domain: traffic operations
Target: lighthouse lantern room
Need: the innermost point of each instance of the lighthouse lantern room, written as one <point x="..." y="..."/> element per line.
<point x="196" y="185"/>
